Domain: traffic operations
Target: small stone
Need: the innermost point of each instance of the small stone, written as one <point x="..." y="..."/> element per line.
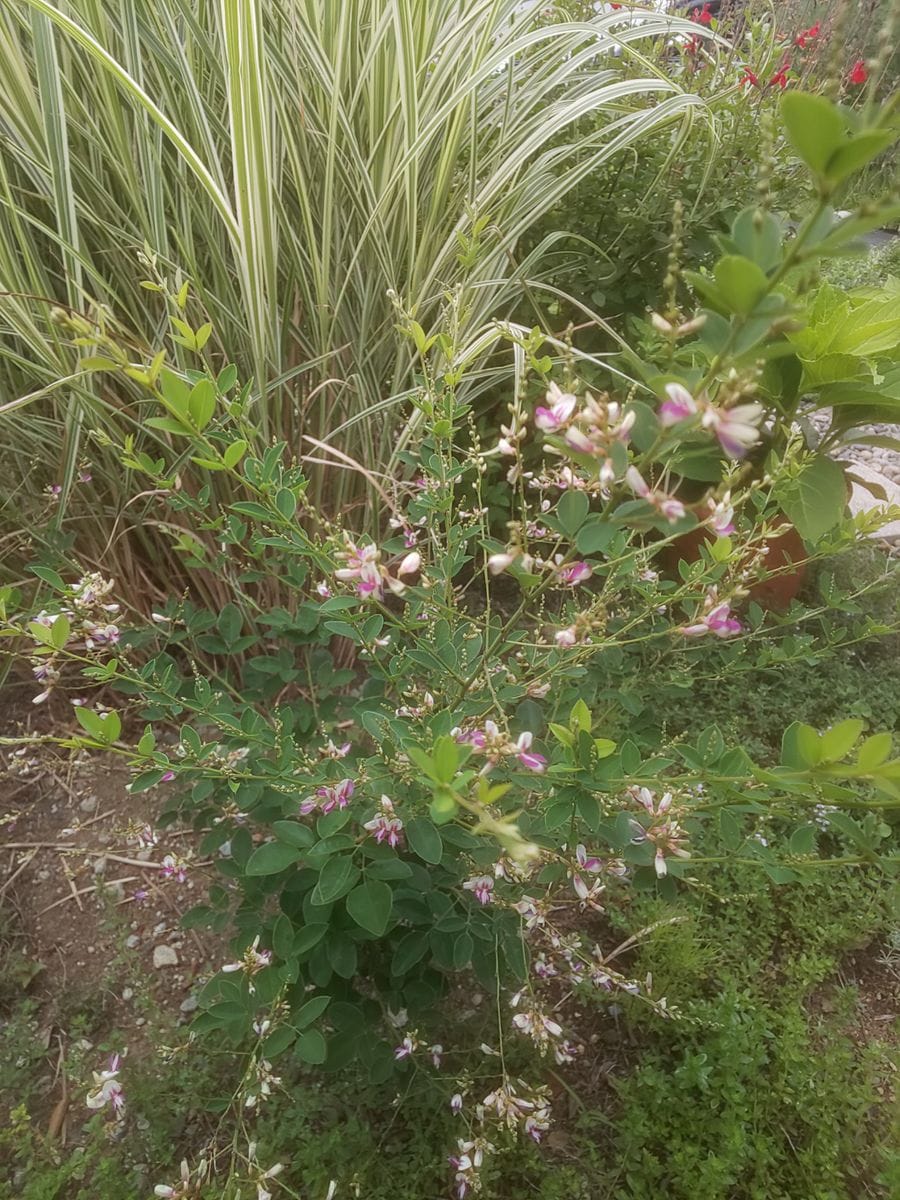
<point x="127" y="993"/>
<point x="99" y="865"/>
<point x="164" y="956"/>
<point x="189" y="1005"/>
<point x="160" y="928"/>
<point x="88" y="804"/>
<point x="131" y="941"/>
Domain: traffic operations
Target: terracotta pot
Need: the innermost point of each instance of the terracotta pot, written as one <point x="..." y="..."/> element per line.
<point x="772" y="594"/>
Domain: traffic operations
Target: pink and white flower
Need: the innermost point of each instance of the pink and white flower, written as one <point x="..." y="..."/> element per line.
<point x="529" y="758"/>
<point x="385" y="826"/>
<point x="679" y="405"/>
<point x="481" y="886"/>
<point x="716" y="619"/>
<point x="561" y="406"/>
<point x="254" y="960"/>
<point x="566" y="637"/>
<point x="737" y="429"/>
<point x="573" y="574"/>
<point x="721" y="517"/>
<point x="108" y="1089"/>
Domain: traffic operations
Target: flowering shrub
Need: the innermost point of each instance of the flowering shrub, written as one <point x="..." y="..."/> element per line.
<point x="424" y="764"/>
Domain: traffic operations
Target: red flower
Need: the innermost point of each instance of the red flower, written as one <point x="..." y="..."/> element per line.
<point x="858" y="74"/>
<point x="749" y="77"/>
<point x="703" y="17"/>
<point x="780" y="76"/>
<point x="807" y="35"/>
<point x="692" y="45"/>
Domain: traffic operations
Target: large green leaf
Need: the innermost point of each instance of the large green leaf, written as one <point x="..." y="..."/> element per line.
<point x="272" y="857"/>
<point x="816" y="499"/>
<point x="370" y="905"/>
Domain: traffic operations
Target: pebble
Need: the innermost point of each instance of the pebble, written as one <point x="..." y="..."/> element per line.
<point x="127" y="993"/>
<point x="99" y="865"/>
<point x="164" y="956"/>
<point x="189" y="1005"/>
<point x="89" y="804"/>
<point x="131" y="941"/>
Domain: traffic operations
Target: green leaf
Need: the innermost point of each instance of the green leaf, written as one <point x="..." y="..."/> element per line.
<point x="370" y="906"/>
<point x="424" y="840"/>
<point x="310" y="1011"/>
<point x="861" y="148"/>
<point x="311" y="1047"/>
<point x="234" y="453"/>
<point x="838" y="741"/>
<point x="815" y="128"/>
<point x="445" y="758"/>
<point x="741" y="283"/>
<point x="409" y="951"/>
<point x="168" y="425"/>
<point x="571" y="511"/>
<point x="283" y="937"/>
<point x="103" y="727"/>
<point x="48" y="576"/>
<point x="270" y="858"/>
<point x="334" y="879"/>
<point x="230" y="623"/>
<point x="800" y="746"/>
<point x="202" y="402"/>
<point x="278" y="1041"/>
<point x="816" y="499"/>
<point x="595" y="535"/>
<point x="292" y="833"/>
<point x="757" y="235"/>
<point x="286" y="503"/>
<point x="874" y="751"/>
<point x="309" y="936"/>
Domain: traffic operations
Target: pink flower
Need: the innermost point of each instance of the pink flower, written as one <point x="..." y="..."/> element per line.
<point x="406" y="1048"/>
<point x="566" y="637"/>
<point x="562" y="406"/>
<point x="526" y="756"/>
<point x="384" y="826"/>
<point x="362" y="565"/>
<point x="410" y="564"/>
<point x="499" y="562"/>
<point x="167" y="777"/>
<point x="717" y="620"/>
<point x="585" y="861"/>
<point x="323" y="590"/>
<point x="107" y="1089"/>
<point x="574" y="574"/>
<point x="333" y="797"/>
<point x="721" y="518"/>
<point x="670" y="508"/>
<point x="736" y="428"/>
<point x="456" y="1103"/>
<point x="437" y="1053"/>
<point x="472" y="737"/>
<point x="678" y="406"/>
<point x="173" y="868"/>
<point x="481" y="887"/>
<point x="254" y="960"/>
<point x="673" y="510"/>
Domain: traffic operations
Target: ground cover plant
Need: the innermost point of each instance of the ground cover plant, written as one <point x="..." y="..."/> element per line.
<point x="428" y="762"/>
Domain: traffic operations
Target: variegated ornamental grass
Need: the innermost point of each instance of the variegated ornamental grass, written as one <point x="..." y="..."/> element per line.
<point x="300" y="161"/>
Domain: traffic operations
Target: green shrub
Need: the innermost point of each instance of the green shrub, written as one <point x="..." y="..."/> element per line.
<point x="405" y="770"/>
